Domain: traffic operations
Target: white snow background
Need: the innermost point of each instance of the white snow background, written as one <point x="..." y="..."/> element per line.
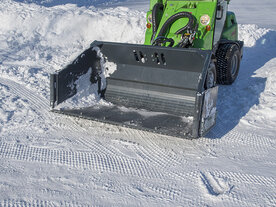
<point x="48" y="159"/>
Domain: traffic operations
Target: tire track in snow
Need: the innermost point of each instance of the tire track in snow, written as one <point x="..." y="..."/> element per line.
<point x="261" y="143"/>
<point x="156" y="156"/>
<point x="247" y="178"/>
<point x="217" y="182"/>
<point x="159" y="157"/>
<point x="173" y="191"/>
<point x="80" y="135"/>
<point x="221" y="183"/>
<point x="163" y="191"/>
<point x="22" y="91"/>
<point x="86" y="137"/>
<point x="250" y="145"/>
<point x="151" y="152"/>
<point x="36" y="103"/>
<point x="154" y="152"/>
<point x="31" y="102"/>
<point x="39" y="203"/>
<point x="230" y="185"/>
<point x="251" y="198"/>
<point x="41" y="106"/>
<point x="83" y="160"/>
<point x="236" y="136"/>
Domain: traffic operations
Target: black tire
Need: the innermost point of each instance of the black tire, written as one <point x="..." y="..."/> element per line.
<point x="228" y="63"/>
<point x="210" y="80"/>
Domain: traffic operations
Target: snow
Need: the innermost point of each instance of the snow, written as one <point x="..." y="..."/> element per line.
<point x="47" y="159"/>
<point x="87" y="93"/>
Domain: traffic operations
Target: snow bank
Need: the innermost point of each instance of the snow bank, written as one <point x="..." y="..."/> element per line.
<point x="261" y="63"/>
<point x="36" y="41"/>
<point x="50" y="3"/>
<point x="261" y="117"/>
<point x="250" y="33"/>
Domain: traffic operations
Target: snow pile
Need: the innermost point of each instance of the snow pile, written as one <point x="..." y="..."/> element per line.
<point x="262" y="83"/>
<point x="250" y="33"/>
<point x="262" y="115"/>
<point x="36" y="41"/>
<point x="77" y="2"/>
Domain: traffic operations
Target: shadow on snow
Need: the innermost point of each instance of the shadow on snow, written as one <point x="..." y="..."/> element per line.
<point x="235" y="101"/>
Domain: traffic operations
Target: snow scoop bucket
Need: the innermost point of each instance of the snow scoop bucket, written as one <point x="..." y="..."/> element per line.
<point x="158" y="89"/>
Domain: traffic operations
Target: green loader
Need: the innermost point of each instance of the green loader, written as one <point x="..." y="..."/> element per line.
<point x="169" y="84"/>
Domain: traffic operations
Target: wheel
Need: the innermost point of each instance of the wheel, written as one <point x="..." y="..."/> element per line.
<point x="228" y="63"/>
<point x="210" y="80"/>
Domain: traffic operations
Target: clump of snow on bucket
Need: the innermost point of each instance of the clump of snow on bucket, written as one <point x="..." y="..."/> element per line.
<point x="107" y="68"/>
<point x="87" y="93"/>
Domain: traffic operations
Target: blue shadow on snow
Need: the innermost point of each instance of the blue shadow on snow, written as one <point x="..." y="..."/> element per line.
<point x="235" y="101"/>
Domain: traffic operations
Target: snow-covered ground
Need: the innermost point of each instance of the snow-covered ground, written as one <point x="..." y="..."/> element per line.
<point x="48" y="159"/>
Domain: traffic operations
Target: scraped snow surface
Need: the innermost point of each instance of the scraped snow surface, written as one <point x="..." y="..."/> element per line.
<point x="48" y="159"/>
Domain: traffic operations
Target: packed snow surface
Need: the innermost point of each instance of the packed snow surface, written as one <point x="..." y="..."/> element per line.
<point x="48" y="159"/>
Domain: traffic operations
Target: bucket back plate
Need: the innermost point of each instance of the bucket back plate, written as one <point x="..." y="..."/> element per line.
<point x="155" y="78"/>
<point x="164" y="80"/>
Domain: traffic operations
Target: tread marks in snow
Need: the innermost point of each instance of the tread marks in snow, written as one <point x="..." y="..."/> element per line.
<point x="247" y="178"/>
<point x="38" y="203"/>
<point x="41" y="107"/>
<point x="84" y="160"/>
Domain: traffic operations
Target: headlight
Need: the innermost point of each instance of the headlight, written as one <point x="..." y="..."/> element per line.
<point x="150" y="18"/>
<point x="205" y="20"/>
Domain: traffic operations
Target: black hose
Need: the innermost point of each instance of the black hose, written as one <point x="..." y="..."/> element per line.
<point x="162" y="40"/>
<point x="155" y="24"/>
<point x="175" y="17"/>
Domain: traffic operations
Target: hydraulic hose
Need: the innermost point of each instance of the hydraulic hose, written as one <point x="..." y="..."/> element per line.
<point x="155" y="24"/>
<point x="161" y="40"/>
<point x="175" y="17"/>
